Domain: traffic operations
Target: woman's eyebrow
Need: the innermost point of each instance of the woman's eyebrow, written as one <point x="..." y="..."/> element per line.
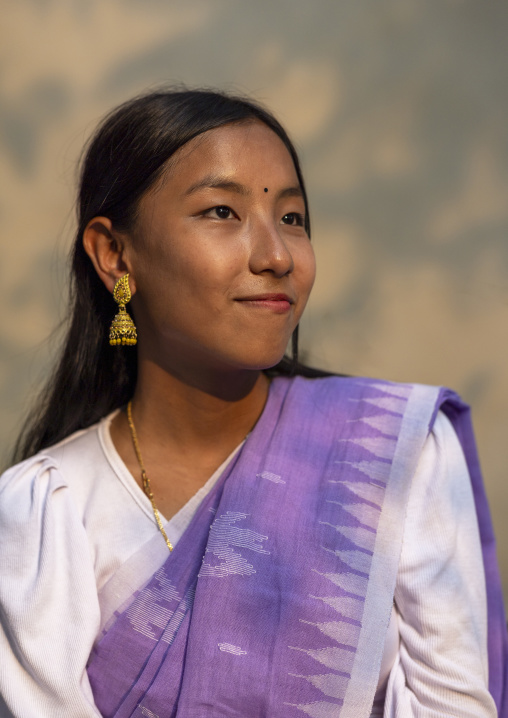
<point x="290" y="192"/>
<point x="215" y="182"/>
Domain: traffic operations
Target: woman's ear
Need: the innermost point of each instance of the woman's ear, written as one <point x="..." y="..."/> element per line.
<point x="106" y="249"/>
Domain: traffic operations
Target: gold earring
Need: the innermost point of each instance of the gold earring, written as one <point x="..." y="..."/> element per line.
<point x="123" y="329"/>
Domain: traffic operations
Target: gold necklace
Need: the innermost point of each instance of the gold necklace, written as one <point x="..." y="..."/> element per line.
<point x="146" y="481"/>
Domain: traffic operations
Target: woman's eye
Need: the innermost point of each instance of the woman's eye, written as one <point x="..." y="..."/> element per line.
<point x="293" y="218"/>
<point x="220" y="212"/>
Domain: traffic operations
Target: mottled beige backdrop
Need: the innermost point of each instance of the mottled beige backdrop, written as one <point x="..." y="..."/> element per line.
<point x="400" y="110"/>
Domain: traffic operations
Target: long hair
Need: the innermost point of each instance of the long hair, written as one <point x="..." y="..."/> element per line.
<point x="124" y="158"/>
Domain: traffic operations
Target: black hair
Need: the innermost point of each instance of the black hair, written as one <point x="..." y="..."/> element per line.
<point x="124" y="158"/>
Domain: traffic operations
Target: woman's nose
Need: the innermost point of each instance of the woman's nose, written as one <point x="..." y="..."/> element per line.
<point x="269" y="251"/>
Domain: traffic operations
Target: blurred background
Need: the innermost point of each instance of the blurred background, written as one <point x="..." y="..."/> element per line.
<point x="399" y="110"/>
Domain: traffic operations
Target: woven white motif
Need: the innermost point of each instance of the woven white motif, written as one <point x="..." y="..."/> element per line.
<point x="148" y="610"/>
<point x="224" y="535"/>
<point x="274" y="478"/>
<point x="229" y="648"/>
<point x="148" y="713"/>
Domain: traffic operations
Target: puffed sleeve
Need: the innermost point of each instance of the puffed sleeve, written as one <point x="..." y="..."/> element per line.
<point x="440" y="596"/>
<point x="49" y="612"/>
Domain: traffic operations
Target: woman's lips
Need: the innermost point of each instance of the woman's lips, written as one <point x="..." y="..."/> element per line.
<point x="278" y="303"/>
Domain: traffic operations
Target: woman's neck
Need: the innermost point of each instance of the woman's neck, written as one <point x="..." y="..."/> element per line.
<point x="185" y="432"/>
<point x="219" y="408"/>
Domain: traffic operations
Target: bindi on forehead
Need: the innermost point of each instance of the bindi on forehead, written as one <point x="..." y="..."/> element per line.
<point x="266" y="189"/>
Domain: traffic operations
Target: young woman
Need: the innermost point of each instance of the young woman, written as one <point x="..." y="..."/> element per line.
<point x="202" y="527"/>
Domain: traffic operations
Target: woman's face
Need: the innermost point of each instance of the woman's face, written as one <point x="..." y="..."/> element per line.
<point x="221" y="262"/>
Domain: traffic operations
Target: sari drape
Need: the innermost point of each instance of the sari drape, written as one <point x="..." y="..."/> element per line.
<point x="276" y="600"/>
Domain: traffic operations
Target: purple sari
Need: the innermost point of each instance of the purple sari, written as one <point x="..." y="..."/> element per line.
<point x="276" y="600"/>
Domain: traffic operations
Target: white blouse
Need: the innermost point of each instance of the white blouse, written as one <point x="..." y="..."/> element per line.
<point x="72" y="515"/>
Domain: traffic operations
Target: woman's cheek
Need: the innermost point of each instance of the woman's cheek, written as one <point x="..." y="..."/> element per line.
<point x="308" y="268"/>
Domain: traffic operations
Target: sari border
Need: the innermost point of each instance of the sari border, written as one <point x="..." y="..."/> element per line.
<point x="418" y="415"/>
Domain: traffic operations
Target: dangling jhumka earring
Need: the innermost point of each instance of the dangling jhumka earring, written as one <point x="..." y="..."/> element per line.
<point x="123" y="329"/>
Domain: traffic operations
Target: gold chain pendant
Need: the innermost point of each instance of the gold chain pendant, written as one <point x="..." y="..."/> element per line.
<point x="146" y="481"/>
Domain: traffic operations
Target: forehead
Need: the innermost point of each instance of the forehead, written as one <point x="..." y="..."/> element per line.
<point x="248" y="150"/>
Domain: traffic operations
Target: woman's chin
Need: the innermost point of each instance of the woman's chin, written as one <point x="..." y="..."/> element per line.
<point x="263" y="361"/>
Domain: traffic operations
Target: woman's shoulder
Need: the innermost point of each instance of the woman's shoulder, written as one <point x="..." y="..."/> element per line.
<point x="368" y="388"/>
<point x="318" y="378"/>
<point x="70" y="462"/>
<point x="388" y="407"/>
